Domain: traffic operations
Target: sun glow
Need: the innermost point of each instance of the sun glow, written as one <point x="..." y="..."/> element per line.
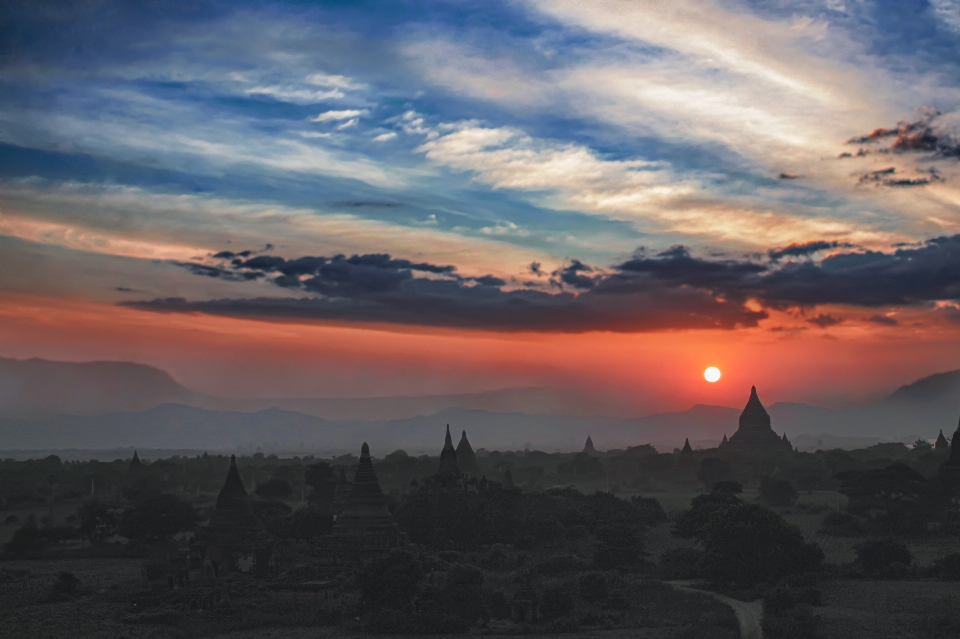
<point x="712" y="374"/>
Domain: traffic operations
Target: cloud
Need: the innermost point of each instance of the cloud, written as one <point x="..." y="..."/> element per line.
<point x="383" y="137"/>
<point x="883" y="320"/>
<point x="824" y="321"/>
<point x="672" y="289"/>
<point x="803" y="250"/>
<point x="930" y="134"/>
<point x="347" y="114"/>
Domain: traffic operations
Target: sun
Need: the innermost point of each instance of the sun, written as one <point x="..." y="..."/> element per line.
<point x="712" y="374"/>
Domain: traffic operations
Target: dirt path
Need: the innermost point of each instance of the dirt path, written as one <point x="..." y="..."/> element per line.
<point x="749" y="614"/>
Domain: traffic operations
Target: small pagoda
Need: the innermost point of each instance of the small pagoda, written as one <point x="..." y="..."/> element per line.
<point x="754" y="434"/>
<point x="466" y="457"/>
<point x="235" y="539"/>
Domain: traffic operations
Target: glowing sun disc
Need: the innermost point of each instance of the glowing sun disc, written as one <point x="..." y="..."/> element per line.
<point x="712" y="374"/>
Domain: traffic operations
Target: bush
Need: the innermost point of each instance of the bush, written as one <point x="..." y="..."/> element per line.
<point x="681" y="563"/>
<point x="619" y="547"/>
<point x="462" y="596"/>
<point x="560" y="564"/>
<point x="841" y="525"/>
<point x="776" y="492"/>
<point x="593" y="586"/>
<point x="556" y="602"/>
<point x="389" y="581"/>
<point x="883" y="558"/>
<point x="157" y="517"/>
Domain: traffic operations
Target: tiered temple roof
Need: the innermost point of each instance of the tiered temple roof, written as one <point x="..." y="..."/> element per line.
<point x="955" y="448"/>
<point x="235" y="530"/>
<point x="588" y="446"/>
<point x="448" y="458"/>
<point x="365" y="514"/>
<point x="754" y="433"/>
<point x="942" y="443"/>
<point x="466" y="458"/>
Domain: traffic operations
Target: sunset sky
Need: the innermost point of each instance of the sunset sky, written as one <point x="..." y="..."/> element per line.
<point x="350" y="199"/>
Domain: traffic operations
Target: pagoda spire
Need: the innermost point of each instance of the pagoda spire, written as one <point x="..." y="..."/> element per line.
<point x="687" y="449"/>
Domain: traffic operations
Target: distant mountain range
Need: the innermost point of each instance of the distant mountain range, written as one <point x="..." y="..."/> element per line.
<point x="105" y="405"/>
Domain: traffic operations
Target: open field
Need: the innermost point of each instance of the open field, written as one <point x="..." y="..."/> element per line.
<point x="858" y="609"/>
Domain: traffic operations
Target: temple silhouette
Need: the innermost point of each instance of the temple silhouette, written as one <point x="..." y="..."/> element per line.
<point x="754" y="434"/>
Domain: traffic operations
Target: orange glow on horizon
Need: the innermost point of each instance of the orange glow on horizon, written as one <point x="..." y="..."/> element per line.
<point x="639" y="373"/>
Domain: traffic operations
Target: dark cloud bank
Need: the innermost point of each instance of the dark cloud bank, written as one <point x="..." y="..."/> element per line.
<point x="672" y="289"/>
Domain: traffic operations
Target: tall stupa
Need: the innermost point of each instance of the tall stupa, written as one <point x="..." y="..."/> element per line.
<point x="755" y="434"/>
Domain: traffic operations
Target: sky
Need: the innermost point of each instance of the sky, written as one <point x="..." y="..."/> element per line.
<point x="379" y="198"/>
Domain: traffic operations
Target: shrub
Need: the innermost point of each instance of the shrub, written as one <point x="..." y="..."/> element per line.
<point x="681" y="563"/>
<point x="841" y="525"/>
<point x="560" y="564"/>
<point x="157" y="517"/>
<point x="883" y="558"/>
<point x="556" y="602"/>
<point x="776" y="492"/>
<point x="389" y="581"/>
<point x="593" y="586"/>
<point x="462" y="596"/>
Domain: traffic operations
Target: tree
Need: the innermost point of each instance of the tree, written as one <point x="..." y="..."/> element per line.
<point x="321" y="478"/>
<point x="97" y="521"/>
<point x="692" y="524"/>
<point x="897" y="497"/>
<point x="776" y="492"/>
<point x="619" y="546"/>
<point x="749" y="544"/>
<point x="157" y="518"/>
<point x="274" y="489"/>
<point x="462" y="596"/>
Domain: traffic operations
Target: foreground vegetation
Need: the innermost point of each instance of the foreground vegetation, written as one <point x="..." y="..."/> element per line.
<point x="84" y="545"/>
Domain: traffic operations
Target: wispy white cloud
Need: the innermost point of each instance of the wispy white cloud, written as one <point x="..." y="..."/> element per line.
<point x="649" y="194"/>
<point x="346" y="114"/>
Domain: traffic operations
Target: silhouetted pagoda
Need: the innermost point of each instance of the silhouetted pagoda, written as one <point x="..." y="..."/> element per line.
<point x="448" y="458"/>
<point x="954" y="460"/>
<point x="687" y="449"/>
<point x="235" y="538"/>
<point x="755" y="434"/>
<point x="588" y="446"/>
<point x="941" y="443"/>
<point x="950" y="469"/>
<point x="466" y="458"/>
<point x="365" y="516"/>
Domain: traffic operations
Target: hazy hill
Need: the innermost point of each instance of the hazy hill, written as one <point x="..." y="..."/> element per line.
<point x="116" y="404"/>
<point x="177" y="426"/>
<point x="36" y="388"/>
